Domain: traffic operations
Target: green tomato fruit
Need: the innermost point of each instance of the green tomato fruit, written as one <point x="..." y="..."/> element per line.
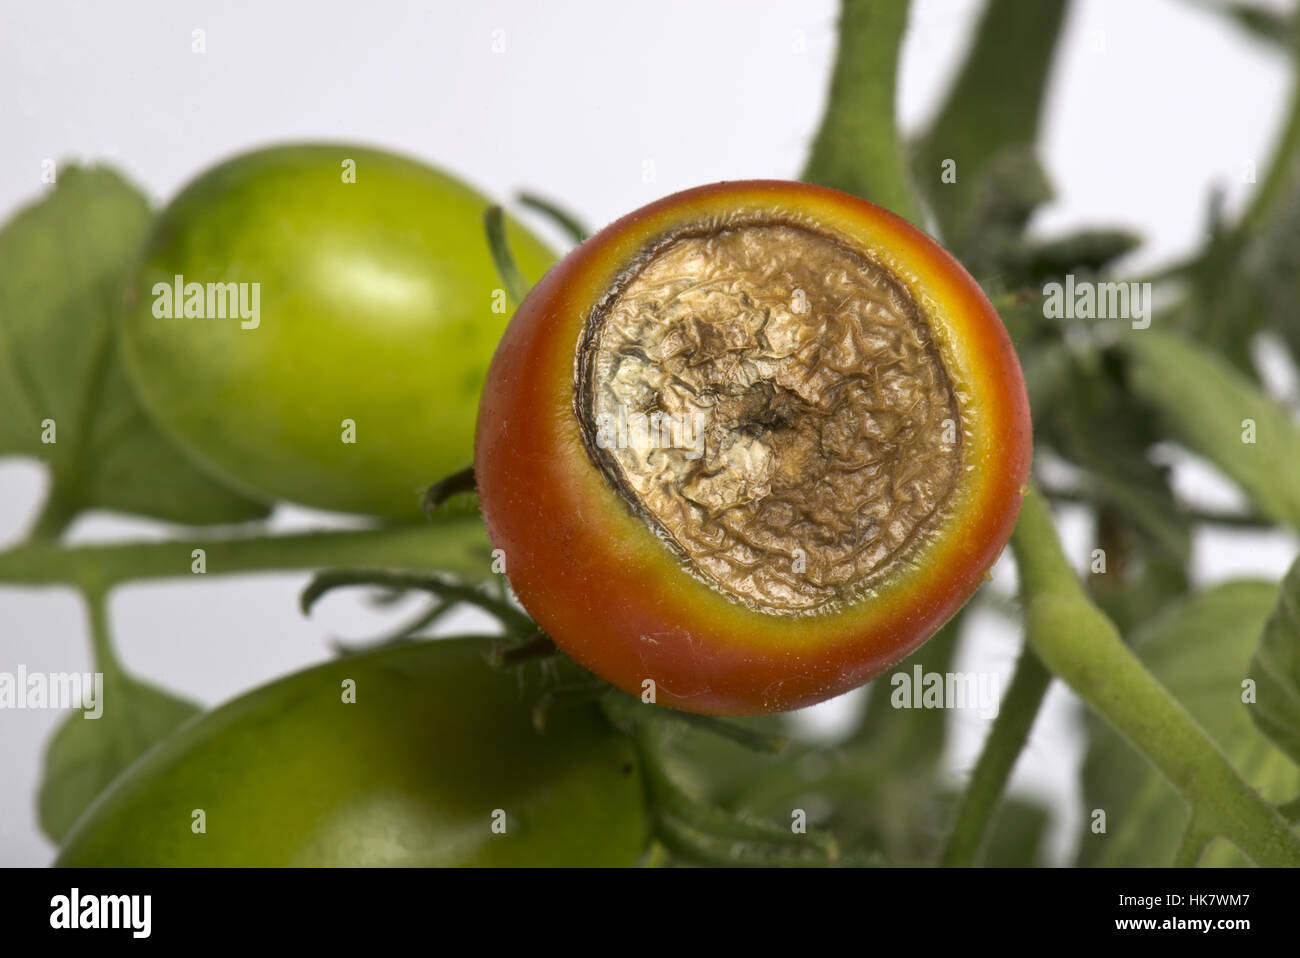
<point x="436" y="762"/>
<point x="342" y="369"/>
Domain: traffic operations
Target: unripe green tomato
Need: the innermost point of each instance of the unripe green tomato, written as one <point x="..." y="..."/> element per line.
<point x="347" y="376"/>
<point x="436" y="762"/>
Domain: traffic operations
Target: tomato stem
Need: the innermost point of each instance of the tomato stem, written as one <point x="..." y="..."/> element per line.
<point x="566" y="221"/>
<point x="858" y="147"/>
<point x="56" y="514"/>
<point x="117" y="687"/>
<point x="1079" y="644"/>
<point x="516" y="286"/>
<point x="1281" y="172"/>
<point x="455" y="545"/>
<point x="750" y="738"/>
<point x="1006" y="738"/>
<point x="706" y="833"/>
<point x="514" y="621"/>
<point x="1192" y="845"/>
<point x="403" y="633"/>
<point x="101" y="639"/>
<point x="446" y="487"/>
<point x="536" y="646"/>
<point x="630" y="713"/>
<point x="1290" y="811"/>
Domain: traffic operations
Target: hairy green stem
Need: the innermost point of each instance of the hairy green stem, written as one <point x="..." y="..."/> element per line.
<point x="403" y="633"/>
<point x="57" y="513"/>
<point x="747" y="737"/>
<point x="101" y="640"/>
<point x="1192" y="845"/>
<point x="858" y="148"/>
<point x="1076" y="641"/>
<point x="1005" y="741"/>
<point x="1290" y="811"/>
<point x="629" y="712"/>
<point x="705" y="833"/>
<point x="442" y="490"/>
<point x="1284" y="167"/>
<point x="117" y="686"/>
<point x="455" y="545"/>
<point x="515" y="622"/>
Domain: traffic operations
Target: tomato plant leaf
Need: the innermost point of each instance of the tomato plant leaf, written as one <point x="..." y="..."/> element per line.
<point x="1283" y="169"/>
<point x="67" y="402"/>
<point x="1275" y="669"/>
<point x="1266" y="281"/>
<point x="1085" y="412"/>
<point x="1198" y="648"/>
<point x="1214" y="410"/>
<point x="1254" y="19"/>
<point x="873" y="789"/>
<point x="992" y="110"/>
<point x="84" y="755"/>
<point x="1082" y="251"/>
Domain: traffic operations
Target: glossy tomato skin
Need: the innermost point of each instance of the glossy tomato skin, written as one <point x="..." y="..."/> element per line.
<point x="377" y="303"/>
<point x="408" y="774"/>
<point x="598" y="581"/>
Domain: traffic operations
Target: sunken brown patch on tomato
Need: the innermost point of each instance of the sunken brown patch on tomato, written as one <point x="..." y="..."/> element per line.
<point x="770" y="400"/>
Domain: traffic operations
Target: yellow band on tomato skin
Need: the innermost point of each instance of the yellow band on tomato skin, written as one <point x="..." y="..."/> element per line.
<point x="600" y="582"/>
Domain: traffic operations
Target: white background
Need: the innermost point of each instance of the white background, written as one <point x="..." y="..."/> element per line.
<point x="1153" y="102"/>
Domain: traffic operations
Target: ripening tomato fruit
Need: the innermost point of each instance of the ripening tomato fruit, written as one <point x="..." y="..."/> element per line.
<point x="313" y="323"/>
<point x="750" y="445"/>
<point x="434" y="762"/>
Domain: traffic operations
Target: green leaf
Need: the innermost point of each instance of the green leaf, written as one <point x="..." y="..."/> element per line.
<point x="1011" y="185"/>
<point x="991" y="112"/>
<point x="85" y="755"/>
<point x="1198" y="649"/>
<point x="63" y="268"/>
<point x="1088" y="415"/>
<point x="1211" y="408"/>
<point x="1283" y="170"/>
<point x="1255" y="19"/>
<point x="1276" y="669"/>
<point x="1265" y="282"/>
<point x="858" y="148"/>
<point x="1083" y="251"/>
<point x="1221" y="307"/>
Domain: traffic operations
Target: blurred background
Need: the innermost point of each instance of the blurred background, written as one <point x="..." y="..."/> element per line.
<point x="601" y="107"/>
